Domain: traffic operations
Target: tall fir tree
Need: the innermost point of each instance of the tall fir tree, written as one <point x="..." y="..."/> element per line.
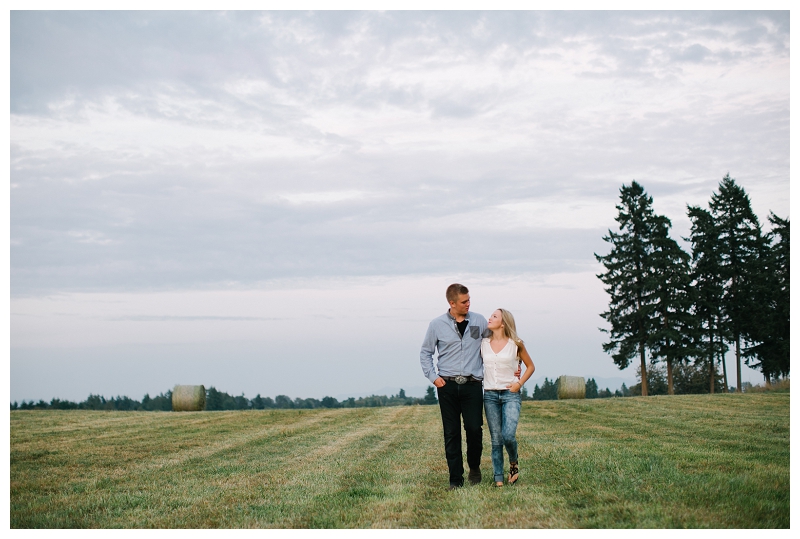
<point x="548" y="391"/>
<point x="430" y="396"/>
<point x="740" y="245"/>
<point x="707" y="290"/>
<point x="669" y="279"/>
<point x="591" y="388"/>
<point x="627" y="279"/>
<point x="769" y="329"/>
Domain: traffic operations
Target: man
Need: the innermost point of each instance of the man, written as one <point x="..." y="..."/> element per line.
<point x="459" y="382"/>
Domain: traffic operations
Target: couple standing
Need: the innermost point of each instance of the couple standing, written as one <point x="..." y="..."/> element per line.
<point x="478" y="367"/>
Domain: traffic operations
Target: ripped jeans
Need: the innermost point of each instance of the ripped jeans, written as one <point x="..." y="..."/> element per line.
<point x="502" y="414"/>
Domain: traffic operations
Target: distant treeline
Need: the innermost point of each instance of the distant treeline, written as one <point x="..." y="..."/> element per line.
<point x="220" y="400"/>
<point x="687" y="379"/>
<point x="549" y="391"/>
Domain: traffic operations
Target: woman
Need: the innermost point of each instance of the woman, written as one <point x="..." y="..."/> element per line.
<point x="502" y="353"/>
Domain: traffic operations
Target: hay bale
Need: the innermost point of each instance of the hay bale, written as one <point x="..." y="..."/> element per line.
<point x="571" y="387"/>
<point x="188" y="398"/>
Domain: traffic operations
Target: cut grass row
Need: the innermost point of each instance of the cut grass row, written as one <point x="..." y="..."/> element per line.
<point x="685" y="461"/>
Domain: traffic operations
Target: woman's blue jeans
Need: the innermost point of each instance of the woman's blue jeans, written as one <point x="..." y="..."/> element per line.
<point x="502" y="414"/>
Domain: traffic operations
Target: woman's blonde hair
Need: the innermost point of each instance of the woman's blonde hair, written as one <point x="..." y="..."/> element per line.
<point x="510" y="329"/>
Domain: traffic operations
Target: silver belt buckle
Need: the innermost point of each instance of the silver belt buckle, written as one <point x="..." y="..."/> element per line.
<point x="461" y="380"/>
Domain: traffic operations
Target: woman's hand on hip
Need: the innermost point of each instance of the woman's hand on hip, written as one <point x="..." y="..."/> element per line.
<point x="512" y="389"/>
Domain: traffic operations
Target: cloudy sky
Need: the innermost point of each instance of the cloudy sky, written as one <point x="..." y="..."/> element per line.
<point x="275" y="202"/>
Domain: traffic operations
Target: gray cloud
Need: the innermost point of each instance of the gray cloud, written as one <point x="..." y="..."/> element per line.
<point x="166" y="318"/>
<point x="398" y="108"/>
<point x="325" y="56"/>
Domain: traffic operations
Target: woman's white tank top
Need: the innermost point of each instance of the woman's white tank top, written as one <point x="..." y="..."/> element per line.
<point x="499" y="368"/>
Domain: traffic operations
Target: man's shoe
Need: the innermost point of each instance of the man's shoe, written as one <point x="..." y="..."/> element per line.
<point x="454" y="487"/>
<point x="474" y="476"/>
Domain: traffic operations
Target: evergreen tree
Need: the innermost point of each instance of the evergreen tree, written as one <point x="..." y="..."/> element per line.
<point x="628" y="279"/>
<point x="258" y="402"/>
<point x="548" y="391"/>
<point x="124" y="403"/>
<point x="241" y="402"/>
<point x="94" y="402"/>
<point x="430" y="396"/>
<point x="162" y="402"/>
<point x="769" y="329"/>
<point x="669" y="279"/>
<point x="740" y="245"/>
<point x="591" y="389"/>
<point x="707" y="290"/>
<point x="213" y="399"/>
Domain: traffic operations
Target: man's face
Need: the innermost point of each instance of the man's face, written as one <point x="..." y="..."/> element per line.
<point x="461" y="305"/>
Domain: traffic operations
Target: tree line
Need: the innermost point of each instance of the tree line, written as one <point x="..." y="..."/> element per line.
<point x="688" y="379"/>
<point x="220" y="400"/>
<point x="679" y="309"/>
<point x="549" y="391"/>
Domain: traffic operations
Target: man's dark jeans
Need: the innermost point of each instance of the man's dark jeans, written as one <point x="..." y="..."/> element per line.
<point x="455" y="401"/>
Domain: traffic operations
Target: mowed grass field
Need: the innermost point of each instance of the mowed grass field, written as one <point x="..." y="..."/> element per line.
<point x="707" y="461"/>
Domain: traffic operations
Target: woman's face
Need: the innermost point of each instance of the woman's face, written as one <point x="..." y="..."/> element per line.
<point x="495" y="321"/>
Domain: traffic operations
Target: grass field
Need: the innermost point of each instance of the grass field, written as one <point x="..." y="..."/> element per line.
<point x="685" y="461"/>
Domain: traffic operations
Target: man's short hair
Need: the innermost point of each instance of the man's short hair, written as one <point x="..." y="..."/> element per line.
<point x="455" y="290"/>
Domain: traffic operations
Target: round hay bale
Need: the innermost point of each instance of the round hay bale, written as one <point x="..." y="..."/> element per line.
<point x="571" y="387"/>
<point x="188" y="398"/>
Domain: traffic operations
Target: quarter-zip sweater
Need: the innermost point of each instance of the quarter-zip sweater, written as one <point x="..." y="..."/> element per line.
<point x="458" y="356"/>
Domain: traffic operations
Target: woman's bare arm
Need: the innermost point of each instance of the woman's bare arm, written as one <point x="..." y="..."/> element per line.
<point x="529" y="368"/>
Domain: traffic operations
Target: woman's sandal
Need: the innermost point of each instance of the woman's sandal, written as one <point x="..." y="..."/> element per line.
<point x="498" y="484"/>
<point x="513" y="473"/>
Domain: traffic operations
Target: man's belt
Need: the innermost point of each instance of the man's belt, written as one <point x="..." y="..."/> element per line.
<point x="461" y="379"/>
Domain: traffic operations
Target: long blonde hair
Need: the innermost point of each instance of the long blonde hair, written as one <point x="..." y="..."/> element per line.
<point x="510" y="329"/>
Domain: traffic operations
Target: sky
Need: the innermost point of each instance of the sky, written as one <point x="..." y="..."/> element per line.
<point x="275" y="202"/>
